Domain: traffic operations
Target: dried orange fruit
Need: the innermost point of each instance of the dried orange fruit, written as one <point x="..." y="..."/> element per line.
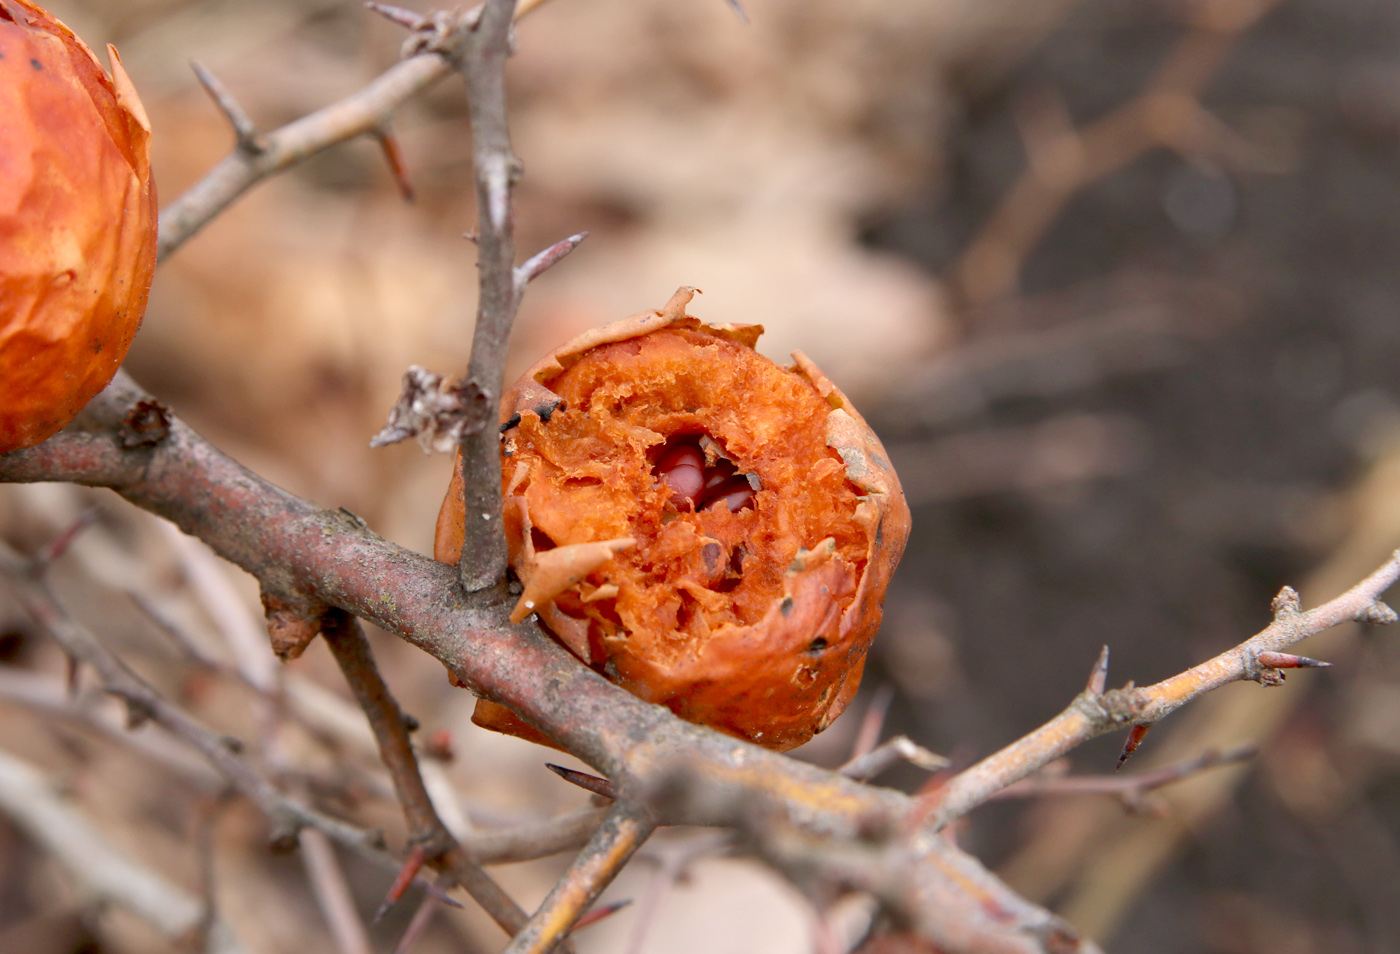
<point x="708" y="530"/>
<point x="77" y="222"/>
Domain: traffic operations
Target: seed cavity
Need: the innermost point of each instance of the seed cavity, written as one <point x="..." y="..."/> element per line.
<point x="699" y="476"/>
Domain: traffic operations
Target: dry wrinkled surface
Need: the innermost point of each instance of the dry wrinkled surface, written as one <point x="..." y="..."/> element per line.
<point x="710" y="531"/>
<point x="77" y="223"/>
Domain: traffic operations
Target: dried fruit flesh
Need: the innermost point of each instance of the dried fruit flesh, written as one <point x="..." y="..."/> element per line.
<point x="716" y="531"/>
<point x="77" y="223"/>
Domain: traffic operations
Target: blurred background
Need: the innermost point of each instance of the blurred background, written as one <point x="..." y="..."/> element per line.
<point x="1115" y="280"/>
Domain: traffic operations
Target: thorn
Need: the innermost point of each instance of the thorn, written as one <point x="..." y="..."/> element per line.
<point x="407" y="19"/>
<point x="739" y="11"/>
<point x="244" y="130"/>
<point x="1378" y="613"/>
<point x="1135" y="737"/>
<point x="1098" y="676"/>
<point x="598" y="914"/>
<point x="1287" y="603"/>
<point x="389" y="145"/>
<point x="536" y="265"/>
<point x="59" y="545"/>
<point x="591" y="783"/>
<point x="470" y="237"/>
<point x="1289" y="661"/>
<point x="411" y="866"/>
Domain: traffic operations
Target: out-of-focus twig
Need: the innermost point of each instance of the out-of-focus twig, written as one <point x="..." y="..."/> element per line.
<point x="104" y="874"/>
<point x="144" y="703"/>
<point x="535" y="840"/>
<point x="51" y="699"/>
<point x="333" y="894"/>
<point x="672" y="862"/>
<point x="890" y="753"/>
<point x="1130" y="789"/>
<point x="1061" y="160"/>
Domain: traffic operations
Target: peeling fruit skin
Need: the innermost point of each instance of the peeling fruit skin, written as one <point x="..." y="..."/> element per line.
<point x="77" y="222"/>
<point x="752" y="613"/>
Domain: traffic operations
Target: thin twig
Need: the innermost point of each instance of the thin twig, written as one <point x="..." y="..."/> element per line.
<point x="481" y="59"/>
<point x="427" y="832"/>
<point x="59" y="545"/>
<point x="351" y="649"/>
<point x="872" y="723"/>
<point x="1129" y="788"/>
<point x="422" y="917"/>
<point x="624" y="830"/>
<point x="535" y="840"/>
<point x="673" y="861"/>
<point x="363" y="112"/>
<point x="51" y="699"/>
<point x="890" y="753"/>
<point x="1093" y="714"/>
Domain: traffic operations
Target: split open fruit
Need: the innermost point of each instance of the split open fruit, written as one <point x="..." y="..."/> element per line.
<point x="77" y="222"/>
<point x="708" y="530"/>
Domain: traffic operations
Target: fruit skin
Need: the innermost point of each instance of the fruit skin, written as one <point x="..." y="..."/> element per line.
<point x="77" y="222"/>
<point x="787" y="668"/>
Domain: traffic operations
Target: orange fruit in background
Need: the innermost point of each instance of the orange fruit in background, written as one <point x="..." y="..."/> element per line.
<point x="708" y="530"/>
<point x="77" y="222"/>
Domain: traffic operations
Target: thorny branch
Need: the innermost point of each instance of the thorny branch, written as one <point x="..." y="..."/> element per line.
<point x="1095" y="712"/>
<point x="290" y="544"/>
<point x="1130" y="789"/>
<point x="333" y="559"/>
<point x="258" y="156"/>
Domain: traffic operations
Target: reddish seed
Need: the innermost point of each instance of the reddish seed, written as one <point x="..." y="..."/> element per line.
<point x="682" y="468"/>
<point x="734" y="493"/>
